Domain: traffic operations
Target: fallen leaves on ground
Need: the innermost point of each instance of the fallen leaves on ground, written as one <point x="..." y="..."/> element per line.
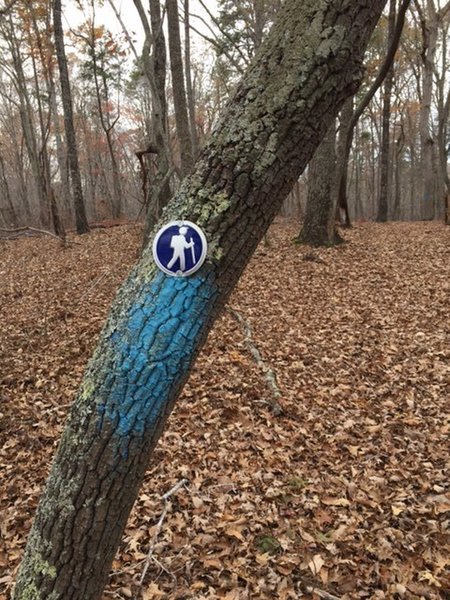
<point x="346" y="492"/>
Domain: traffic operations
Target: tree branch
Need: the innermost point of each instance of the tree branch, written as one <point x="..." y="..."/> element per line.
<point x="224" y="33"/>
<point x="124" y="29"/>
<point x="270" y="376"/>
<point x="23" y="230"/>
<point x="385" y="66"/>
<point x="7" y="7"/>
<point x="159" y="524"/>
<point x="215" y="43"/>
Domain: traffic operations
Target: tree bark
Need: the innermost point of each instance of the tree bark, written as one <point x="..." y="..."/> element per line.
<point x="397" y="210"/>
<point x="66" y="96"/>
<point x="9" y="215"/>
<point x="429" y="24"/>
<point x="319" y="225"/>
<point x="190" y="92"/>
<point x="383" y="201"/>
<point x="342" y="156"/>
<point x="443" y="114"/>
<point x="158" y="323"/>
<point x="443" y="154"/>
<point x="159" y="59"/>
<point x="178" y="87"/>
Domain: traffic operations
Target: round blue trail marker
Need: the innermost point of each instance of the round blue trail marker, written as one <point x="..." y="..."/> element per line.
<point x="179" y="248"/>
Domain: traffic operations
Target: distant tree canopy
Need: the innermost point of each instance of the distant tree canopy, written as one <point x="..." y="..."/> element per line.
<point x="123" y="103"/>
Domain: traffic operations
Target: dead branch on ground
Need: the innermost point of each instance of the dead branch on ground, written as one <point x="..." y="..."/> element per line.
<point x="269" y="374"/>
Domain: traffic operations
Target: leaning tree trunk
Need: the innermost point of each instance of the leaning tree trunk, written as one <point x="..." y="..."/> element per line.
<point x="158" y="323"/>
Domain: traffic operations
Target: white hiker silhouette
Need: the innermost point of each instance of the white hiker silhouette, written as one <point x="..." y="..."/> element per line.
<point x="179" y="244"/>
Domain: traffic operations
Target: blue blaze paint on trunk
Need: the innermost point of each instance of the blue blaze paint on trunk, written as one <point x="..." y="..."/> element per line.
<point x="152" y="348"/>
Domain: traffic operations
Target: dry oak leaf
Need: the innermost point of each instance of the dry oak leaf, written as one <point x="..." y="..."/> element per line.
<point x="316" y="564"/>
<point x="153" y="591"/>
<point x="330" y="501"/>
<point x="235" y="532"/>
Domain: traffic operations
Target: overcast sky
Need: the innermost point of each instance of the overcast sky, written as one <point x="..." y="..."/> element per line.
<point x="72" y="17"/>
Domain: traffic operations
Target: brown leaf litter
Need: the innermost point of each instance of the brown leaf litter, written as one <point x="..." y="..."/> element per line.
<point x="346" y="492"/>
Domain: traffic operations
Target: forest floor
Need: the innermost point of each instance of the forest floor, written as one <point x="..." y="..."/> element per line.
<point x="347" y="491"/>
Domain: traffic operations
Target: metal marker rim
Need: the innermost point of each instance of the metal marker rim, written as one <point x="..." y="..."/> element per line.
<point x="198" y="264"/>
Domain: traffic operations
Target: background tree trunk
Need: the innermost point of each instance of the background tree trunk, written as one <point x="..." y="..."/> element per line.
<point x="190" y="91"/>
<point x="66" y="96"/>
<point x="9" y="215"/>
<point x="158" y="193"/>
<point x="426" y="189"/>
<point x="340" y="185"/>
<point x="158" y="323"/>
<point x="39" y="62"/>
<point x="363" y="104"/>
<point x="444" y="148"/>
<point x="178" y="87"/>
<point x="28" y="128"/>
<point x="319" y="225"/>
<point x="61" y="155"/>
<point x="443" y="109"/>
<point x="383" y="201"/>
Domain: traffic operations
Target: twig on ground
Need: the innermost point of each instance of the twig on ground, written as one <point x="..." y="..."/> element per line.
<point x="323" y="595"/>
<point x="159" y="525"/>
<point x="270" y="375"/>
<point x="163" y="568"/>
<point x="22" y="230"/>
<point x="94" y="285"/>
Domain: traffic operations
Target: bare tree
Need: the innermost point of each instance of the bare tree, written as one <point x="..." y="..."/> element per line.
<point x="383" y="201"/>
<point x="66" y="96"/>
<point x="342" y="199"/>
<point x="178" y="87"/>
<point x="158" y="192"/>
<point x="35" y="137"/>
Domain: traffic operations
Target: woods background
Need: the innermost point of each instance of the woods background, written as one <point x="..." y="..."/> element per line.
<point x="328" y="368"/>
<point x="141" y="111"/>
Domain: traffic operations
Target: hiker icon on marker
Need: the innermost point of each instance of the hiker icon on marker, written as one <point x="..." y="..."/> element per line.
<point x="179" y="248"/>
<point x="179" y="245"/>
